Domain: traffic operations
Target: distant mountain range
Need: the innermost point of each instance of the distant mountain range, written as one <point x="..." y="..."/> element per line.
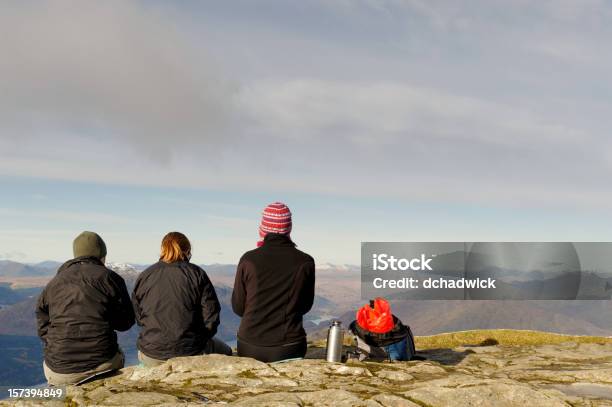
<point x="569" y="317"/>
<point x="10" y="268"/>
<point x="338" y="296"/>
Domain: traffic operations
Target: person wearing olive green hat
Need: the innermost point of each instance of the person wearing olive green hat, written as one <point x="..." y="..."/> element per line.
<point x="89" y="244"/>
<point x="78" y="313"/>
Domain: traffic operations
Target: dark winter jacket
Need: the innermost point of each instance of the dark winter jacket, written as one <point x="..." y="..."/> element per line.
<point x="78" y="313"/>
<point x="177" y="307"/>
<point x="273" y="289"/>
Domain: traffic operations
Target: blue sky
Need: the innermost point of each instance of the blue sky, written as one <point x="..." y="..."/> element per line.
<point x="41" y="217"/>
<point x="373" y="120"/>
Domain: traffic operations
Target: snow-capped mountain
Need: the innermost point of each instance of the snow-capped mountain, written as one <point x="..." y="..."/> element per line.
<point x="337" y="267"/>
<point x="121" y="267"/>
<point x="127" y="271"/>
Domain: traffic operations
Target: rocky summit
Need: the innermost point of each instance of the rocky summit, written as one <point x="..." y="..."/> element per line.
<point x="567" y="374"/>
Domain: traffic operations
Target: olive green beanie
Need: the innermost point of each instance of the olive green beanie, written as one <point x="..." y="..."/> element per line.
<point x="89" y="244"/>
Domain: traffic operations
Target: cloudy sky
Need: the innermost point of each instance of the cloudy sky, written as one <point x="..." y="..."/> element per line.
<point x="388" y="120"/>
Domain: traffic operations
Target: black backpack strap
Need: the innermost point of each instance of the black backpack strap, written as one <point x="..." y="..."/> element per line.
<point x="410" y="340"/>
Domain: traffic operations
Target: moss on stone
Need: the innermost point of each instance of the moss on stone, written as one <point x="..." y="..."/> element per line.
<point x="503" y="337"/>
<point x="248" y="374"/>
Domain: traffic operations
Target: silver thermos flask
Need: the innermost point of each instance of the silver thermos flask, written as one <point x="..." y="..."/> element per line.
<point x="334" y="342"/>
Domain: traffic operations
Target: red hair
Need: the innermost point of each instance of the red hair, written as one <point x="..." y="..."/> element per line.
<point x="175" y="247"/>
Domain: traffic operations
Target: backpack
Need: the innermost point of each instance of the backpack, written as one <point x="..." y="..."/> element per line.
<point x="397" y="344"/>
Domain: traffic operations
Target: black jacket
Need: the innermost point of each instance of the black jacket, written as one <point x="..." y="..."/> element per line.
<point x="274" y="288"/>
<point x="177" y="308"/>
<point x="78" y="313"/>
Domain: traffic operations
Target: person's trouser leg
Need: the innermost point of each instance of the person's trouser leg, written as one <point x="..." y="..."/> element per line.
<point x="271" y="354"/>
<point x="59" y="379"/>
<point x="149" y="361"/>
<point x="215" y="345"/>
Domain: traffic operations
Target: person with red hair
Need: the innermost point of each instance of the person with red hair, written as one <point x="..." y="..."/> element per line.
<point x="176" y="307"/>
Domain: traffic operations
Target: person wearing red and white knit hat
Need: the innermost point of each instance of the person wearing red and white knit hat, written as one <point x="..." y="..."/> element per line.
<point x="276" y="218"/>
<point x="273" y="290"/>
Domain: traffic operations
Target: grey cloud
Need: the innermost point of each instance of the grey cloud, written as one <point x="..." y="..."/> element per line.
<point x="389" y="112"/>
<point x="113" y="69"/>
<point x="484" y="104"/>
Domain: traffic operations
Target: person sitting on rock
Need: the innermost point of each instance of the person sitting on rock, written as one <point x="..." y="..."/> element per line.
<point x="78" y="313"/>
<point x="381" y="335"/>
<point x="177" y="307"/>
<point x="273" y="289"/>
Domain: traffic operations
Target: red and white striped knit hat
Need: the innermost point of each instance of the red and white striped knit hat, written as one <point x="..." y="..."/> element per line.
<point x="276" y="218"/>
